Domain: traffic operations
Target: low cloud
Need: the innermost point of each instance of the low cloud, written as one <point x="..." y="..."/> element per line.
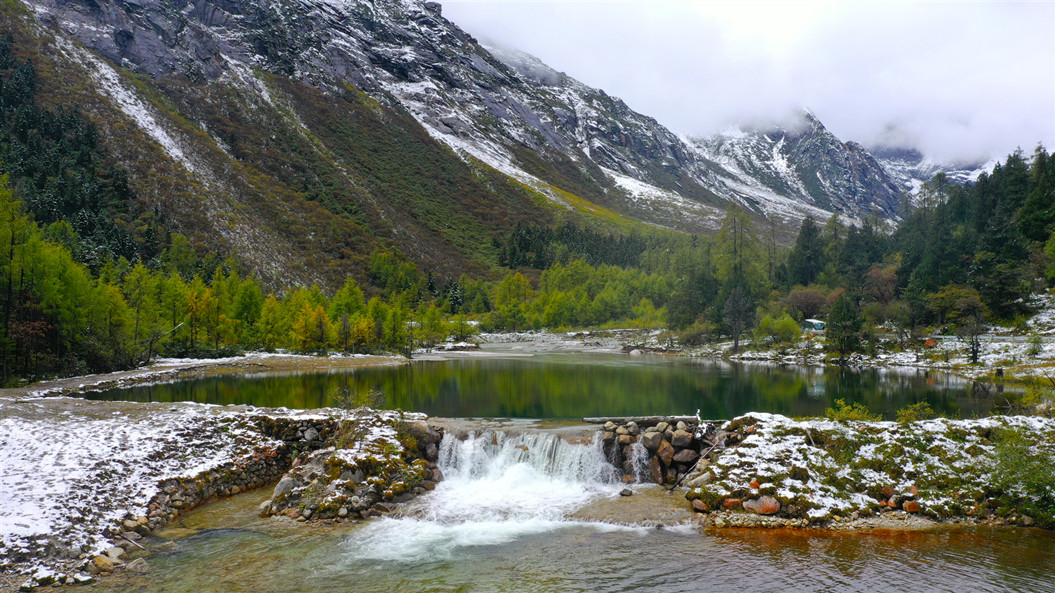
<point x="960" y="81"/>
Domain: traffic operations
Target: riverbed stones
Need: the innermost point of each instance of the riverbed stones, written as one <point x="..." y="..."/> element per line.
<point x="681" y="438"/>
<point x="102" y="563"/>
<point x="732" y="504"/>
<point x="668" y="452"/>
<point x="138" y="565"/>
<point x="655" y="470"/>
<point x="699" y="506"/>
<point x="652" y="440"/>
<point x="699" y="479"/>
<point x="763" y="505"/>
<point x="665" y="452"/>
<point x="685" y="456"/>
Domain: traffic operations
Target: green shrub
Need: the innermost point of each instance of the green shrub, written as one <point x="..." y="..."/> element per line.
<point x="777" y="333"/>
<point x="844" y="412"/>
<point x="697" y="334"/>
<point x="1025" y="476"/>
<point x="917" y="411"/>
<point x="1036" y="345"/>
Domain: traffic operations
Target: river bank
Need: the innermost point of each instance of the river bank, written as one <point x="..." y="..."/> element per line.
<point x="165" y="370"/>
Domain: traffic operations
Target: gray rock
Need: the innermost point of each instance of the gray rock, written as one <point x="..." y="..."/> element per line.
<point x="311" y="435"/>
<point x="342" y="512"/>
<point x="116" y="554"/>
<point x="652" y="440"/>
<point x="626" y="492"/>
<point x="432" y="453"/>
<point x="699" y="480"/>
<point x="682" y="425"/>
<point x="681" y="439"/>
<point x="138" y="565"/>
<point x="662" y="427"/>
<point x="284" y="486"/>
<point x="685" y="456"/>
<point x="102" y="563"/>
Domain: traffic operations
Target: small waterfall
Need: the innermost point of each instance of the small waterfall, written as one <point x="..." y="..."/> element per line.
<point x="492" y="453"/>
<point x="639" y="462"/>
<point x="497" y="487"/>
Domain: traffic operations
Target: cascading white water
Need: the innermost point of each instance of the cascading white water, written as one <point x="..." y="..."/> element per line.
<point x="497" y="487"/>
<point x="639" y="462"/>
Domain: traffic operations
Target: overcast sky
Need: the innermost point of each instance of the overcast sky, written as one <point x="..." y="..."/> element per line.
<point x="959" y="80"/>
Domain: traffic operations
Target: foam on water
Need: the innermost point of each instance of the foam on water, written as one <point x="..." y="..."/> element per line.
<point x="497" y="488"/>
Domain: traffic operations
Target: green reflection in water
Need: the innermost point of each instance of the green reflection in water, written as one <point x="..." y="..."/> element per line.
<point x="576" y="385"/>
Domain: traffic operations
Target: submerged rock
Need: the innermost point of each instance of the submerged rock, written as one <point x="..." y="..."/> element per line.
<point x="138" y="565"/>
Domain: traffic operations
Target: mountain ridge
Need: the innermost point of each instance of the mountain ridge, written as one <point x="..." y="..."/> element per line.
<point x="303" y="134"/>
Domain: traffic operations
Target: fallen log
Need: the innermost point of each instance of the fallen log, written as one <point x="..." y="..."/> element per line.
<point x="650" y="420"/>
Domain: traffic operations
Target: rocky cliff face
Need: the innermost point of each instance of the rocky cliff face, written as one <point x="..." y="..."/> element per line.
<point x="233" y="88"/>
<point x="805" y="162"/>
<point x="909" y="169"/>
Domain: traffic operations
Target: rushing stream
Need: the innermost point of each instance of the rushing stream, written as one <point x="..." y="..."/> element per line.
<point x="539" y="511"/>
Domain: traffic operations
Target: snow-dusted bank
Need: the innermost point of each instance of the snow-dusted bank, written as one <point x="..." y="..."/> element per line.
<point x="82" y="481"/>
<point x="775" y="471"/>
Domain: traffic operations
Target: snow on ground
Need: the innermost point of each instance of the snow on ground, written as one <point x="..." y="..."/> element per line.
<point x="73" y="467"/>
<point x="172" y="369"/>
<point x="825" y="468"/>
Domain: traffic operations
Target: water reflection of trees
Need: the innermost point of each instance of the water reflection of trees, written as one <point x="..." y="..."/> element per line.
<point x="572" y="387"/>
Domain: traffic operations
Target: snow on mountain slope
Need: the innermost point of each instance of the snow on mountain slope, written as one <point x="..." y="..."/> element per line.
<point x="909" y="169"/>
<point x="805" y="163"/>
<point x="489" y="104"/>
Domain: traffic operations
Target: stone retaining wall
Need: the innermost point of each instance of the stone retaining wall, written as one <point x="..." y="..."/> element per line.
<point x="658" y="450"/>
<point x="262" y="467"/>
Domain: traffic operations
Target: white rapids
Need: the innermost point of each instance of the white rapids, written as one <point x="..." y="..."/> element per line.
<point x="497" y="487"/>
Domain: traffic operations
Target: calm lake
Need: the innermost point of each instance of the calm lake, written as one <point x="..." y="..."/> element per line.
<point x="499" y="384"/>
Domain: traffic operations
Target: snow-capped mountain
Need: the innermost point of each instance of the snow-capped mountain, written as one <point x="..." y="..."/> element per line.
<point x="909" y="169"/>
<point x="346" y="103"/>
<point x="802" y="161"/>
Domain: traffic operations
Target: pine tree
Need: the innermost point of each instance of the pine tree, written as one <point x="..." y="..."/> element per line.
<point x="843" y="331"/>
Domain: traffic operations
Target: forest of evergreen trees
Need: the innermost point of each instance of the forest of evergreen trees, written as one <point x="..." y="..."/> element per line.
<point x="91" y="282"/>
